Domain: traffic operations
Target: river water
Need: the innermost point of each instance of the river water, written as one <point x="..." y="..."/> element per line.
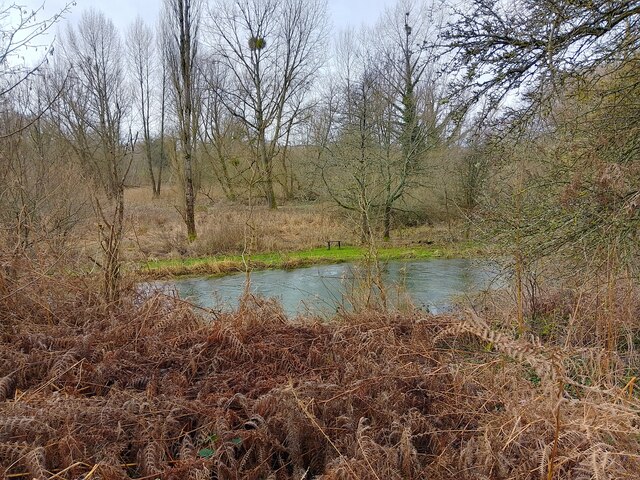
<point x="435" y="285"/>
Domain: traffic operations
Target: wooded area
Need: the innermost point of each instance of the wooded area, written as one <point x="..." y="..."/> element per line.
<point x="242" y="127"/>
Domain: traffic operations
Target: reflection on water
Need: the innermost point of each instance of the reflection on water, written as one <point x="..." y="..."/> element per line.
<point x="432" y="285"/>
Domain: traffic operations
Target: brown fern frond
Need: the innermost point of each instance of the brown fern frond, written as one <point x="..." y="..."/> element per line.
<point x="408" y="454"/>
<point x="237" y="347"/>
<point x="151" y="459"/>
<point x="200" y="473"/>
<point x="187" y="449"/>
<point x="18" y="428"/>
<point x="63" y="364"/>
<point x="35" y="462"/>
<point x="11" y="452"/>
<point x="109" y="471"/>
<point x="7" y="384"/>
<point x="545" y="363"/>
<point x="245" y="457"/>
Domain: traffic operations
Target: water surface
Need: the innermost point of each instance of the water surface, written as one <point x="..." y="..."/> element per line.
<point x="434" y="285"/>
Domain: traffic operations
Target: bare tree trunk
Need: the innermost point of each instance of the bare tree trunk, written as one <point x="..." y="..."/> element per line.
<point x="288" y="175"/>
<point x="147" y="148"/>
<point x="163" y="99"/>
<point x="267" y="168"/>
<point x="141" y="53"/>
<point x="387" y="222"/>
<point x="110" y="239"/>
<point x="186" y="71"/>
<point x="224" y="178"/>
<point x="219" y="126"/>
<point x="190" y="218"/>
<point x="364" y="227"/>
<point x="180" y="39"/>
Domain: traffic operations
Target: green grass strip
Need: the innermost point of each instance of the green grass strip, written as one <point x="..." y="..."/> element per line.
<point x="224" y="264"/>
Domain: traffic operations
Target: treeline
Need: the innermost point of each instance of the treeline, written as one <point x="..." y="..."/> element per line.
<point x="253" y="99"/>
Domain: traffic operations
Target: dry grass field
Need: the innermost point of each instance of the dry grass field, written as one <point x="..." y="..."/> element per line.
<point x="156" y="229"/>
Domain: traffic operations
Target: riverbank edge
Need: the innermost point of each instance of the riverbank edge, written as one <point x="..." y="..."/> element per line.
<point x="221" y="265"/>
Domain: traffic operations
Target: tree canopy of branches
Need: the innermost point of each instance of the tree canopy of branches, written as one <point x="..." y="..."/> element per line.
<point x="420" y="121"/>
<point x="32" y="171"/>
<point x="502" y="46"/>
<point x="272" y="51"/>
<point x="141" y="50"/>
<point x="20" y="31"/>
<point x="357" y="119"/>
<point x="387" y="116"/>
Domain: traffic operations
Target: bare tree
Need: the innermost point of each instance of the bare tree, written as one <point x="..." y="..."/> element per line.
<point x="96" y="116"/>
<point x="180" y="37"/>
<point x="419" y="121"/>
<point x="288" y="176"/>
<point x="390" y="118"/>
<point x="21" y="29"/>
<point x="30" y="185"/>
<point x="272" y="51"/>
<point x="351" y="168"/>
<point x="569" y="70"/>
<point x="163" y="103"/>
<point x="141" y="55"/>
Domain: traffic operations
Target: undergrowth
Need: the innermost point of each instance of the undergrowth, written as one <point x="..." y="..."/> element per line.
<point x="151" y="388"/>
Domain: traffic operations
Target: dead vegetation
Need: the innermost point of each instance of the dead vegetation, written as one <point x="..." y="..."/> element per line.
<point x="156" y="230"/>
<point x="149" y="388"/>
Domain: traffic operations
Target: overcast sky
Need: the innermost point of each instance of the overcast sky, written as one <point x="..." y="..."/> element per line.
<point x="342" y="12"/>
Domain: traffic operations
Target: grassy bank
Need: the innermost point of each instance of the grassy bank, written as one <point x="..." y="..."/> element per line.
<point x="223" y="264"/>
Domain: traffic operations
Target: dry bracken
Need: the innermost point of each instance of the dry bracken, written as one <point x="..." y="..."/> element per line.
<point x="148" y="388"/>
